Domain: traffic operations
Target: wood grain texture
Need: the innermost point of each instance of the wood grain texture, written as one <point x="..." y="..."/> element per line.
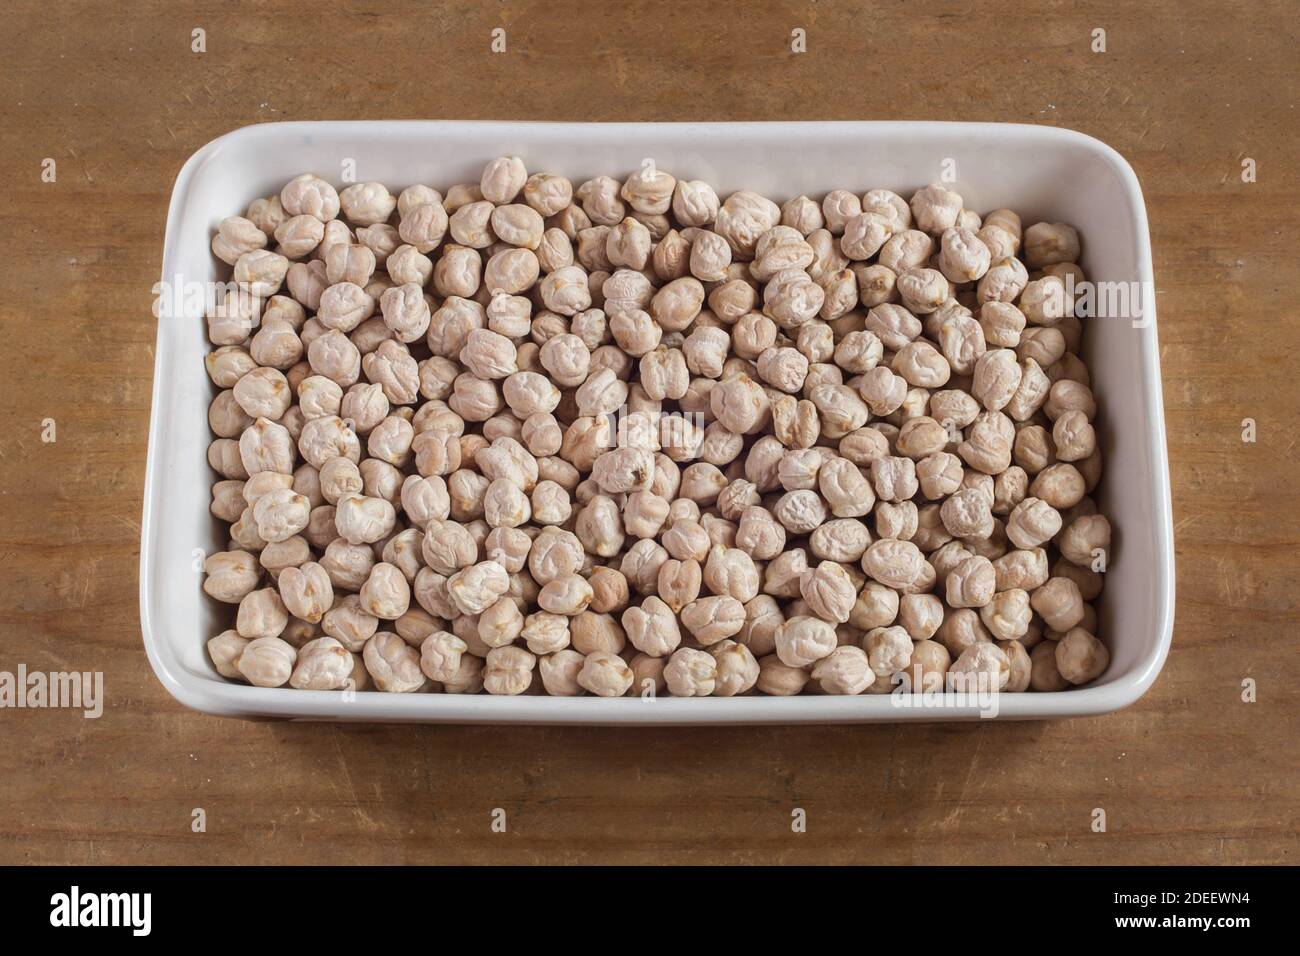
<point x="1185" y="91"/>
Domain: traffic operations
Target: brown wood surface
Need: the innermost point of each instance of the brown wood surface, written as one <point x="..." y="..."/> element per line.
<point x="1186" y="91"/>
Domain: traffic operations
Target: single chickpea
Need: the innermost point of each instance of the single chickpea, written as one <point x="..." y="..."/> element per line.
<point x="920" y="364"/>
<point x="309" y="195"/>
<point x="779" y="679"/>
<point x="349" y="624"/>
<point x="737" y="671"/>
<point x="846" y="670"/>
<point x="503" y="179"/>
<point x="322" y="664"/>
<point x="568" y="595"/>
<point x="1073" y="436"/>
<point x="963" y="257"/>
<point x="306" y="591"/>
<point x="802" y="641"/>
<point x="888" y="204"/>
<point x="740" y="404"/>
<point x="967" y="513"/>
<point x="543" y="632"/>
<point x="759" y="534"/>
<point x="448" y="547"/>
<point x="1047" y="243"/>
<point x="1079" y="656"/>
<point x="843" y="540"/>
<point x="393" y="664"/>
<point x="920" y="615"/>
<point x="475" y="588"/>
<point x="691" y="673"/>
<point x="939" y="475"/>
<point x="894" y="563"/>
<point x="1007" y="615"/>
<point x="230" y="575"/>
<point x="888" y="649"/>
<point x="559" y="672"/>
<point x="280" y="514"/>
<point x="795" y="422"/>
<point x="600" y="200"/>
<point x="713" y="619"/>
<point x="694" y="203"/>
<point x="266" y="662"/>
<point x="859" y="352"/>
<point x="1002" y="285"/>
<point x="1045" y="302"/>
<point x="386" y="593"/>
<point x="929" y="665"/>
<point x="628" y="244"/>
<point x="1059" y="603"/>
<point x="987" y="446"/>
<point x="922" y="290"/>
<point x="743" y="218"/>
<point x="1085" y="539"/>
<point x="802" y="215"/>
<point x="838" y="208"/>
<point x="652" y="627"/>
<point x="225" y="650"/>
<point x="882" y="390"/>
<point x="605" y="675"/>
<point x="864" y="234"/>
<point x="792" y="298"/>
<point x="664" y="374"/>
<point x="935" y="209"/>
<point x="981" y="668"/>
<point x="1061" y="485"/>
<point x="1043" y="672"/>
<point x="783" y="368"/>
<point x="894" y="478"/>
<point x="828" y="591"/>
<point x="594" y="632"/>
<point x="440" y="656"/>
<point x="548" y="194"/>
<point x="800" y="512"/>
<point x="1021" y="666"/>
<point x="508" y="670"/>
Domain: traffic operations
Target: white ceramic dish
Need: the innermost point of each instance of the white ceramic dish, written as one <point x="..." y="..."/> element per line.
<point x="1042" y="172"/>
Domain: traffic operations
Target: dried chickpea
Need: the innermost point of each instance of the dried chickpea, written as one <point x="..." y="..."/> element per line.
<point x="559" y="672"/>
<point x="889" y="650"/>
<point x="267" y="662"/>
<point x="802" y="641"/>
<point x="846" y="670"/>
<point x="508" y="670"/>
<point x="1080" y="657"/>
<point x="981" y="668"/>
<point x="605" y="675"/>
<point x="929" y="665"/>
<point x="393" y="664"/>
<point x="828" y="591"/>
<point x="691" y="673"/>
<point x="779" y="679"/>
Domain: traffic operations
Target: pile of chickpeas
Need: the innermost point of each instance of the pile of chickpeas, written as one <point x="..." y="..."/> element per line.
<point x="632" y="438"/>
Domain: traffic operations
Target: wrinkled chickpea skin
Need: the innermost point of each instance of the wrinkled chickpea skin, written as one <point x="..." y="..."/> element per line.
<point x="453" y="413"/>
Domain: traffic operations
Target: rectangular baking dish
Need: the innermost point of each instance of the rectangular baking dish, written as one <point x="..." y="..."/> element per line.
<point x="1042" y="172"/>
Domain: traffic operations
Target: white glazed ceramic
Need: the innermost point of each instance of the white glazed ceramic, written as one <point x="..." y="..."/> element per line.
<point x="1042" y="172"/>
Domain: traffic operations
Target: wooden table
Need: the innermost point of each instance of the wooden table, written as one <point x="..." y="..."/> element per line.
<point x="1191" y="773"/>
